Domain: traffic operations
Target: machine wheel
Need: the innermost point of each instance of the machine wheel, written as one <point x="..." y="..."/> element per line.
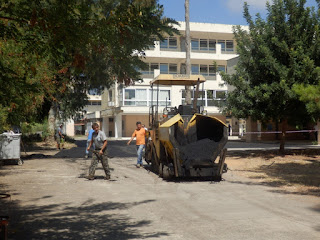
<point x="161" y="170"/>
<point x="154" y="160"/>
<point x="217" y="178"/>
<point x="225" y="168"/>
<point x="148" y="153"/>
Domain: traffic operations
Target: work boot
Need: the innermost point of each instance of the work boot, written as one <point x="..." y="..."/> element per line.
<point x="90" y="177"/>
<point x="107" y="177"/>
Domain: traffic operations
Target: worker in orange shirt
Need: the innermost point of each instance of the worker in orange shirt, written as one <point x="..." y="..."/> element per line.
<point x="140" y="135"/>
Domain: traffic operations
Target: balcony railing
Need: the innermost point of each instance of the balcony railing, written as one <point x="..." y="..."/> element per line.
<point x="179" y="48"/>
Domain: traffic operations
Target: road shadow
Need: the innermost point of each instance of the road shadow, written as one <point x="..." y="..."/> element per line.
<point x="186" y="179"/>
<point x="115" y="148"/>
<point x="121" y="149"/>
<point x="86" y="221"/>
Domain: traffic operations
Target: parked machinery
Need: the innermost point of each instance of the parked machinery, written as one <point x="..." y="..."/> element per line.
<point x="185" y="142"/>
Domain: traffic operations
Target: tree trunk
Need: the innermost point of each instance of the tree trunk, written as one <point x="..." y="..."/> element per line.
<point x="277" y="129"/>
<point x="188" y="61"/>
<point x="317" y="131"/>
<point x="284" y="124"/>
<point x="52" y="120"/>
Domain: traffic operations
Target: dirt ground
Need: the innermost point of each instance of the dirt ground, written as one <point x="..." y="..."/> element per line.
<point x="263" y="196"/>
<point x="298" y="171"/>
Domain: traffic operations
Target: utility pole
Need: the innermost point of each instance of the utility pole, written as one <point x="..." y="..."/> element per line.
<point x="188" y="49"/>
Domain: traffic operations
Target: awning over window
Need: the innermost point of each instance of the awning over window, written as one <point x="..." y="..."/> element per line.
<point x="178" y="79"/>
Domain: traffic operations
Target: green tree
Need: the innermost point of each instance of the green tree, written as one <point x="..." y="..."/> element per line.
<point x="53" y="51"/>
<point x="275" y="55"/>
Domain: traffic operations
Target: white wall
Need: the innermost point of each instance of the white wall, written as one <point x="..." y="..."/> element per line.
<point x="69" y="127"/>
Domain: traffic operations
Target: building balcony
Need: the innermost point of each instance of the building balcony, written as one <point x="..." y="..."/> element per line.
<point x="110" y="111"/>
<point x="147" y="74"/>
<point x="94" y="97"/>
<point x="218" y="52"/>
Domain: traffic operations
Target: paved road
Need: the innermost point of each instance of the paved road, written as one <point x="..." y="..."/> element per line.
<point x="52" y="200"/>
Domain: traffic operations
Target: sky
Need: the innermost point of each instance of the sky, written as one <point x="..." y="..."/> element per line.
<point x="216" y="11"/>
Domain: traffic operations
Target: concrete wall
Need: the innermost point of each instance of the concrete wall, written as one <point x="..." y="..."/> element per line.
<point x="69" y="128"/>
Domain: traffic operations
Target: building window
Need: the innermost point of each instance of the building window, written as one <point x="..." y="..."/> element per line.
<point x="208" y="98"/>
<point x="204" y="70"/>
<point x="212" y="45"/>
<point x="208" y="71"/>
<point x="173" y="44"/>
<point x="221" y="68"/>
<point x="95" y="103"/>
<point x="145" y="70"/>
<point x="194" y="69"/>
<point x="221" y="94"/>
<point x="94" y="91"/>
<point x="135" y="97"/>
<point x="153" y="66"/>
<point x="129" y="97"/>
<point x="212" y="70"/>
<point x="220" y="98"/>
<point x="110" y="96"/>
<point x="195" y="44"/>
<point x="173" y="68"/>
<point x="201" y="97"/>
<point x="229" y="46"/>
<point x="203" y="45"/>
<point x="169" y="43"/>
<point x="211" y="95"/>
<point x="226" y="45"/>
<point x="149" y="68"/>
<point x="164" y="44"/>
<point x="164" y="97"/>
<point x="168" y="68"/>
<point x="165" y="68"/>
<point x="223" y="45"/>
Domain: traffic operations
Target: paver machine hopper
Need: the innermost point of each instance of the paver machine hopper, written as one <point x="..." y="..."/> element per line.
<point x="184" y="141"/>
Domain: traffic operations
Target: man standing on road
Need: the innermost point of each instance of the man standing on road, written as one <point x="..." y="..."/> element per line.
<point x="100" y="140"/>
<point x="88" y="141"/>
<point x="140" y="134"/>
<point x="59" y="136"/>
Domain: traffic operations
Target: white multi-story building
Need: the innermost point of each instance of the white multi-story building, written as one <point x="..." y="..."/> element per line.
<point x="211" y="45"/>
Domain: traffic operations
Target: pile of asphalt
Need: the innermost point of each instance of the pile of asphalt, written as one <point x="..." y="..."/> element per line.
<point x="201" y="152"/>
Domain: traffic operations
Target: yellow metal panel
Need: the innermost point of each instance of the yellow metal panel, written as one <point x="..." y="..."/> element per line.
<point x="172" y="121"/>
<point x="194" y="116"/>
